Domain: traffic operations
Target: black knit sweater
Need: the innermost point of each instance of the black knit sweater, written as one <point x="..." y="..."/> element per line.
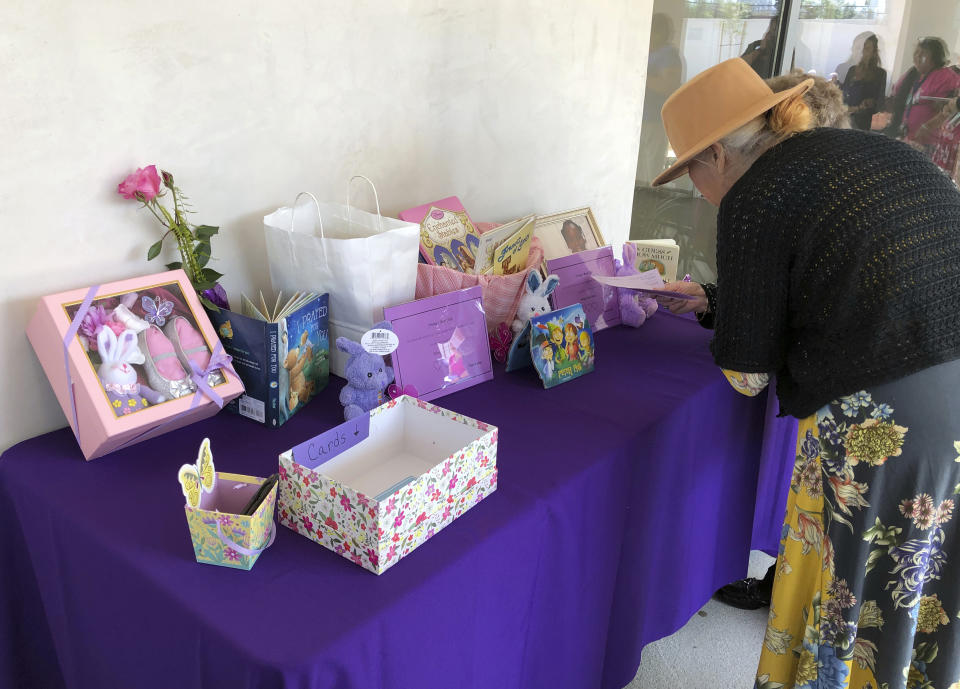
<point x="838" y="261"/>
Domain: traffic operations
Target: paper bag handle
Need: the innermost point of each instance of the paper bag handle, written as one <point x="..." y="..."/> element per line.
<point x="293" y="211"/>
<point x="376" y="199"/>
<point x="293" y="254"/>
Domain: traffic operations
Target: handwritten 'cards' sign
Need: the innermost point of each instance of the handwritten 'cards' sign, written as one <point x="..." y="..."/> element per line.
<point x="329" y="444"/>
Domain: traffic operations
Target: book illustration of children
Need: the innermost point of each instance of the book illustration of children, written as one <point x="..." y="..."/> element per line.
<point x="573" y="343"/>
<point x="546" y="354"/>
<point x="507" y="268"/>
<point x="586" y="349"/>
<point x="556" y="338"/>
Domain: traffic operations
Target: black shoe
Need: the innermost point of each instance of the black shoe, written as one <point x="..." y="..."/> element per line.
<point x="744" y="594"/>
<point x="749" y="594"/>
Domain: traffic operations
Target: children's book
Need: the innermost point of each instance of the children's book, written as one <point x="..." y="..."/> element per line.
<point x="280" y="350"/>
<point x="660" y="254"/>
<point x="559" y="345"/>
<point x="503" y="250"/>
<point x="447" y="235"/>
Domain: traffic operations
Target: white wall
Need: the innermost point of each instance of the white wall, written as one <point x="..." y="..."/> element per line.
<point x="513" y="106"/>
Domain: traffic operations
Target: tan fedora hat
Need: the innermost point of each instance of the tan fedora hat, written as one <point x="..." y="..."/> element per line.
<point x="715" y="103"/>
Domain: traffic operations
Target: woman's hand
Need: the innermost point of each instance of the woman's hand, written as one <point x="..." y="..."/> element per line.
<point x="684" y="305"/>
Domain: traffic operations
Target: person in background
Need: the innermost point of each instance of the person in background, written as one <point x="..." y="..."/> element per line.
<point x="827" y="110"/>
<point x="664" y="76"/>
<point x="932" y="79"/>
<point x="761" y="54"/>
<point x="947" y="143"/>
<point x="864" y="342"/>
<point x="864" y="85"/>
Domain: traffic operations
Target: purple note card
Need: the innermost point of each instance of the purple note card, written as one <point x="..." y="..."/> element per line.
<point x="329" y="444"/>
<point x="443" y="343"/>
<point x="577" y="286"/>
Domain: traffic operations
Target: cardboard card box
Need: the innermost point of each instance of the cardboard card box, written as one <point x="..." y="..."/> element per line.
<point x="102" y="419"/>
<point x="376" y="487"/>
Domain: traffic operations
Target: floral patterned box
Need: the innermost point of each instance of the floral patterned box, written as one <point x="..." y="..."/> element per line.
<point x="94" y="345"/>
<point x="376" y="487"/>
<point x="223" y="537"/>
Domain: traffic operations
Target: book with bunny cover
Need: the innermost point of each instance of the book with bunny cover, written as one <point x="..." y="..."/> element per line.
<point x="282" y="354"/>
<point x="447" y="235"/>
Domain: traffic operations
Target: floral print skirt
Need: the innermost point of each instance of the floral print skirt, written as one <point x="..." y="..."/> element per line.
<point x="867" y="588"/>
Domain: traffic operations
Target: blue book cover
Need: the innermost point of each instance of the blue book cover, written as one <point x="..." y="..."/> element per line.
<point x="283" y="365"/>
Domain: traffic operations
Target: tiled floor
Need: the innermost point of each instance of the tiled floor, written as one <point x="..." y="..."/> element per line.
<point x="718" y="648"/>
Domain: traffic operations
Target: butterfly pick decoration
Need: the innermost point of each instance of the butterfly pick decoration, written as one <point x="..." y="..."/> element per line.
<point x="500" y="340"/>
<point x="199" y="478"/>
<point x="155" y="310"/>
<point x="395" y="391"/>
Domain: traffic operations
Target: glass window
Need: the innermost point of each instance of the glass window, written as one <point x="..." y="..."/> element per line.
<point x="896" y="62"/>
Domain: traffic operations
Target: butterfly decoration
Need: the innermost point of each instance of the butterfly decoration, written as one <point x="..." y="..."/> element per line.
<point x="395" y="391"/>
<point x="156" y="311"/>
<point x="226" y="330"/>
<point x="500" y="340"/>
<point x="199" y="478"/>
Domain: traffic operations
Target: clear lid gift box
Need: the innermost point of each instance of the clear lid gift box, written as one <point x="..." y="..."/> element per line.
<point x="375" y="488"/>
<point x="131" y="360"/>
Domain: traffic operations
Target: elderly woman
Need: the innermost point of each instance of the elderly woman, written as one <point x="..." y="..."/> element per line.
<point x="824" y="98"/>
<point x="838" y="259"/>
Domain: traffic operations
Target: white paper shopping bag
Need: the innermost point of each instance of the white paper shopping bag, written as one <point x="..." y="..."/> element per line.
<point x="364" y="261"/>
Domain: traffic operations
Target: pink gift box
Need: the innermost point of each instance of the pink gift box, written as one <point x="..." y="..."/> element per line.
<point x="99" y="429"/>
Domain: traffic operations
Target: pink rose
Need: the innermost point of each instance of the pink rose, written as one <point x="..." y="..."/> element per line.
<point x="143" y="185"/>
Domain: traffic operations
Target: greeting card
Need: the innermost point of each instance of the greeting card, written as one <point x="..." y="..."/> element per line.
<point x="577" y="286"/>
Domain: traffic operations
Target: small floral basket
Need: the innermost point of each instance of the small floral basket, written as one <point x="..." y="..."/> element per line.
<point x="223" y="537"/>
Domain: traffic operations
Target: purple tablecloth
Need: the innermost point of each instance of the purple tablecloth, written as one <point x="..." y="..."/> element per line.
<point x="625" y="499"/>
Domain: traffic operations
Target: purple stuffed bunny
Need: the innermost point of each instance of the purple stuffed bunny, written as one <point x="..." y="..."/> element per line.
<point x="634" y="307"/>
<point x="367" y="377"/>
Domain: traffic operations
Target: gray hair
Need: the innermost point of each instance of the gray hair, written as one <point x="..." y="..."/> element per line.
<point x="824" y="98"/>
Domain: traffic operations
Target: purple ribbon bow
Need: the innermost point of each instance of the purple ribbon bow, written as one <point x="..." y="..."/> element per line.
<point x="219" y="360"/>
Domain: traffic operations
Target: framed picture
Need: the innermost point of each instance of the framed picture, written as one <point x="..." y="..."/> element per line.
<point x="563" y="234"/>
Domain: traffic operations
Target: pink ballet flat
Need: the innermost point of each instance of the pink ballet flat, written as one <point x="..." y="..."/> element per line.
<point x="164" y="371"/>
<point x="190" y="346"/>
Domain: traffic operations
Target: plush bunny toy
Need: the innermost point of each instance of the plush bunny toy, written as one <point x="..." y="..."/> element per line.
<point x="634" y="307"/>
<point x="535" y="300"/>
<point x="367" y="377"/>
<point x="117" y="375"/>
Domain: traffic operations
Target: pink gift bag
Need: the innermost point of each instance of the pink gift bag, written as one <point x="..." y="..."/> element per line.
<point x="501" y="293"/>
